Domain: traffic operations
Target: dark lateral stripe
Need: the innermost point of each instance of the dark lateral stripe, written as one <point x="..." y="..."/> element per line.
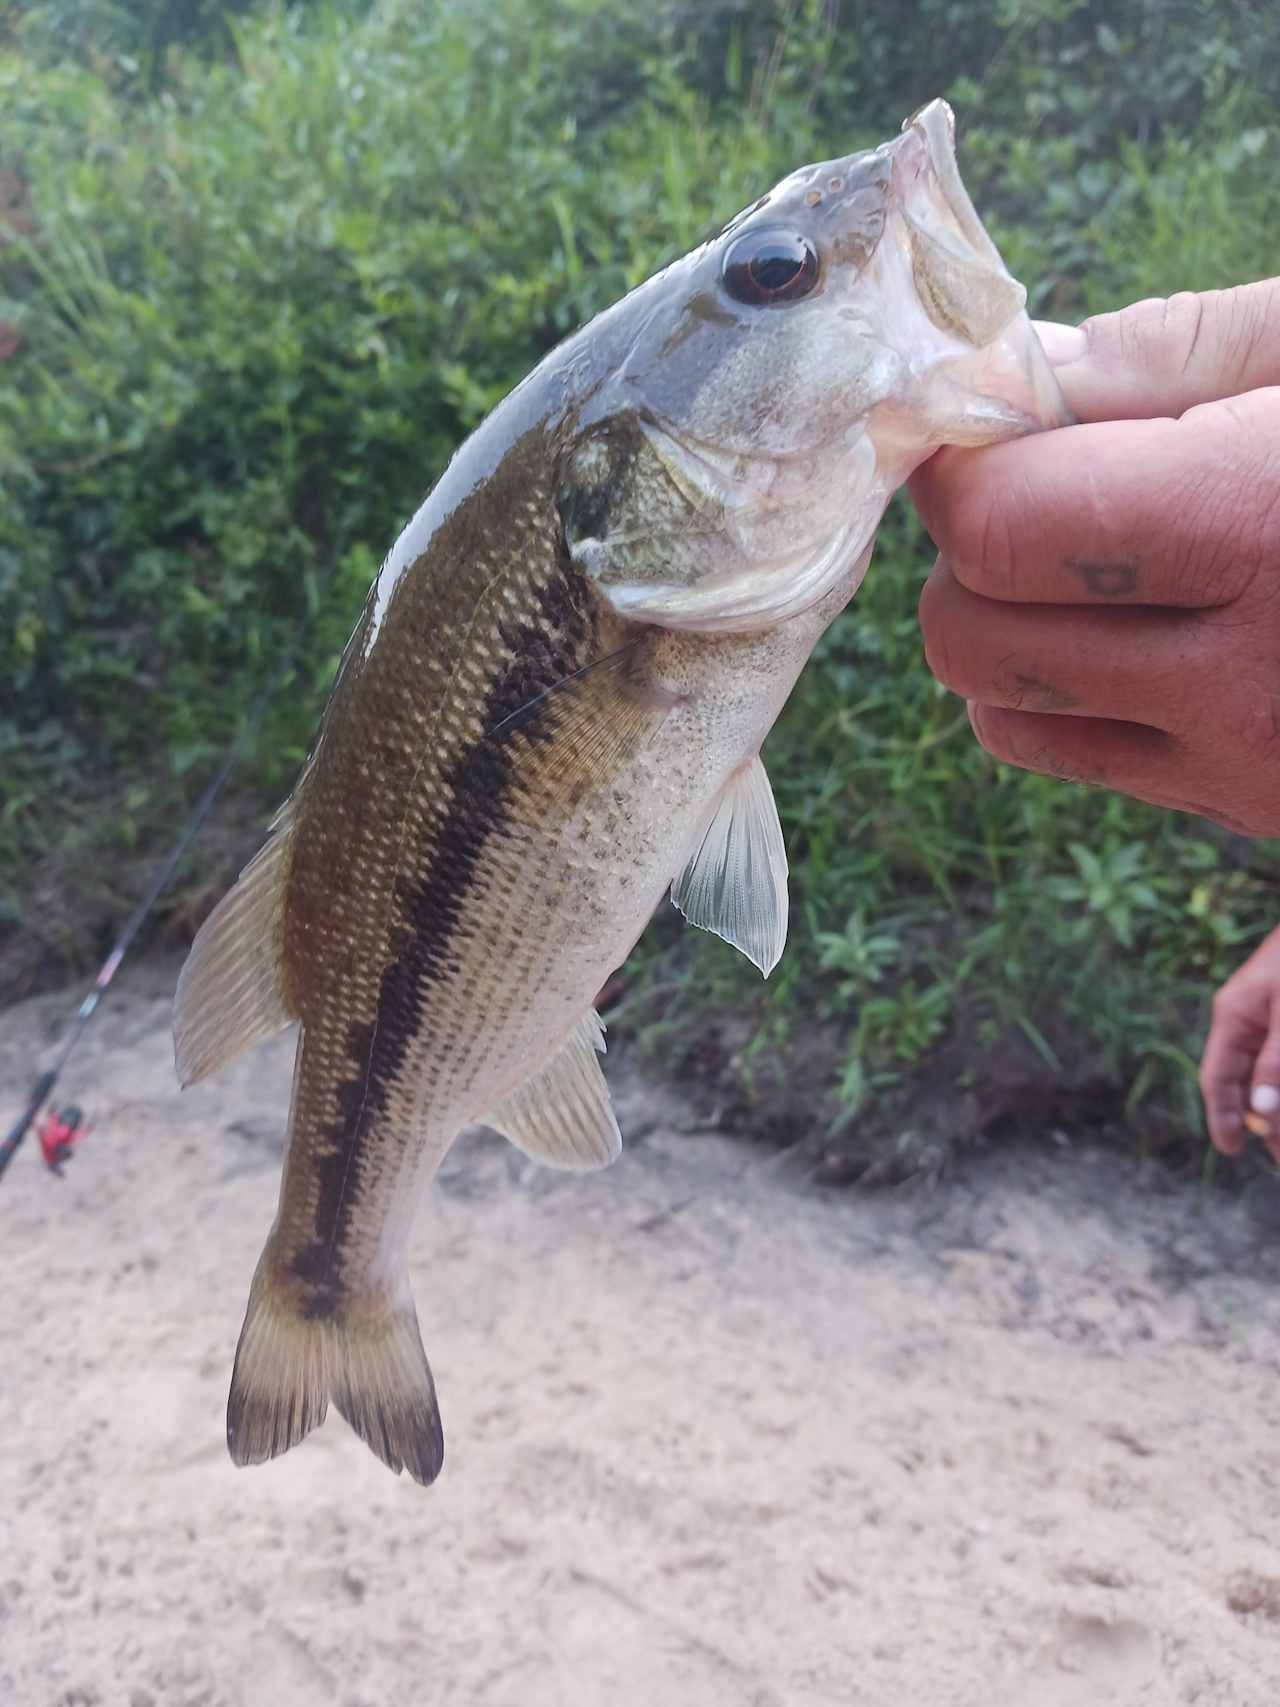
<point x="480" y="786"/>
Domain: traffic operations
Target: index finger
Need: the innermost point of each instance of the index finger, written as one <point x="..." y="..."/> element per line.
<point x="1178" y="512"/>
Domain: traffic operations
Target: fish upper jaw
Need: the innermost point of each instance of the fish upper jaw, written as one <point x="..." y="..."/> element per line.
<point x="935" y="293"/>
<point x="973" y="369"/>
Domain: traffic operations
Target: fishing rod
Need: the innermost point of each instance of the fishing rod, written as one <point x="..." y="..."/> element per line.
<point x="42" y="1089"/>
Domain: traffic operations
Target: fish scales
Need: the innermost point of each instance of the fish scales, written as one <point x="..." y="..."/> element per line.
<point x="552" y="709"/>
<point x="417" y="959"/>
<point x="475" y="926"/>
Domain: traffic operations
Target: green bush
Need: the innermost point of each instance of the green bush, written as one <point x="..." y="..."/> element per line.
<point x="270" y="267"/>
<point x="255" y="317"/>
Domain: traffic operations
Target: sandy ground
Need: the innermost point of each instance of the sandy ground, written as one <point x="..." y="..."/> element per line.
<point x="712" y="1439"/>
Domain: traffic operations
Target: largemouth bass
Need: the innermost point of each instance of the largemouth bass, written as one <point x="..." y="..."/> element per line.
<point x="551" y="711"/>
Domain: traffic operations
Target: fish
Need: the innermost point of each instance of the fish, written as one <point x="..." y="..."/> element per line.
<point x="550" y="714"/>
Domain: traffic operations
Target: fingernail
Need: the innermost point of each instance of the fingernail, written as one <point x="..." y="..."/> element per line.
<point x="1265" y="1099"/>
<point x="1062" y="344"/>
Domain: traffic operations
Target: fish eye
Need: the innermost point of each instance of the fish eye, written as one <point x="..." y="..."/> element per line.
<point x="764" y="267"/>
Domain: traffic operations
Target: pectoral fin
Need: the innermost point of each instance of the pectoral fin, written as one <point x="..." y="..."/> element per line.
<point x="231" y="989"/>
<point x="736" y="883"/>
<point x="562" y="1115"/>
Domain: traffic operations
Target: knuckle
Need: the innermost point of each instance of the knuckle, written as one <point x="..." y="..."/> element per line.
<point x="1162" y="335"/>
<point x="933" y="628"/>
<point x="978" y="541"/>
<point x="1228" y="500"/>
<point x="1215" y="568"/>
<point x="1219" y="1093"/>
<point x="930" y="593"/>
<point x="1133" y="334"/>
<point x="1251" y="718"/>
<point x="937" y="655"/>
<point x="949" y="649"/>
<point x="1229" y="1005"/>
<point x="1183" y="328"/>
<point x="988" y="726"/>
<point x="1008" y="684"/>
<point x="1249" y="497"/>
<point x="1002" y="734"/>
<point x="1063" y="769"/>
<point x="989" y="529"/>
<point x="1213" y="342"/>
<point x="982" y="531"/>
<point x="930" y="488"/>
<point x="1245" y="327"/>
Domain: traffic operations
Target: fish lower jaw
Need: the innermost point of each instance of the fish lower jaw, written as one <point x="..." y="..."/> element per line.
<point x="756" y="596"/>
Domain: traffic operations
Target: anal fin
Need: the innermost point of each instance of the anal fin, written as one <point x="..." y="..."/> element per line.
<point x="736" y="882"/>
<point x="563" y="1115"/>
<point x="231" y="989"/>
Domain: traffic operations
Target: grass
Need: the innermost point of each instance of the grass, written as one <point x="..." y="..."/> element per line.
<point x="259" y="297"/>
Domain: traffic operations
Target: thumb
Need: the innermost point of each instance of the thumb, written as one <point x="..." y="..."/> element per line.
<point x="1165" y="355"/>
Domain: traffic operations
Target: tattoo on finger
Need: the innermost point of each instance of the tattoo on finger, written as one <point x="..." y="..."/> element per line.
<point x="1106" y="580"/>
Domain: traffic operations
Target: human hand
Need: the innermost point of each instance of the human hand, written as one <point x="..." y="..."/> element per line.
<point x="1240" y="1071"/>
<point x="1108" y="595"/>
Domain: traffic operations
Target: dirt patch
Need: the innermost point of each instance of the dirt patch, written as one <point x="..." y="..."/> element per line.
<point x="968" y="1092"/>
<point x="713" y="1437"/>
<point x="73" y="902"/>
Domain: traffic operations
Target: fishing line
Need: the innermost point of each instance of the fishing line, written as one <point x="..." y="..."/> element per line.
<point x="42" y="1089"/>
<point x="573" y="676"/>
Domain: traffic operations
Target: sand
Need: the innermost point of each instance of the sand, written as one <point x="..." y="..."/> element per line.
<point x="712" y="1438"/>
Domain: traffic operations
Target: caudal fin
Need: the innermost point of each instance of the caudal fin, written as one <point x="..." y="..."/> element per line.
<point x="365" y="1354"/>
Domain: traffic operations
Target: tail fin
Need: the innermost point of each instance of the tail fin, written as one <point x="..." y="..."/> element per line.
<point x="366" y="1354"/>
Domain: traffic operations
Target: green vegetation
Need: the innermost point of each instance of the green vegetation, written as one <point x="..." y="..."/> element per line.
<point x="264" y="267"/>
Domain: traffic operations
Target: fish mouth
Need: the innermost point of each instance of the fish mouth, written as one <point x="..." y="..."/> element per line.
<point x="1009" y="382"/>
<point x="927" y="150"/>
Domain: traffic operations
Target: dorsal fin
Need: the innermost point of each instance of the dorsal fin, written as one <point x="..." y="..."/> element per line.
<point x="231" y="989"/>
<point x="563" y="1115"/>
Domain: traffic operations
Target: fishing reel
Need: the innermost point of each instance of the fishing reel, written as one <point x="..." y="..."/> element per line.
<point x="59" y="1133"/>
